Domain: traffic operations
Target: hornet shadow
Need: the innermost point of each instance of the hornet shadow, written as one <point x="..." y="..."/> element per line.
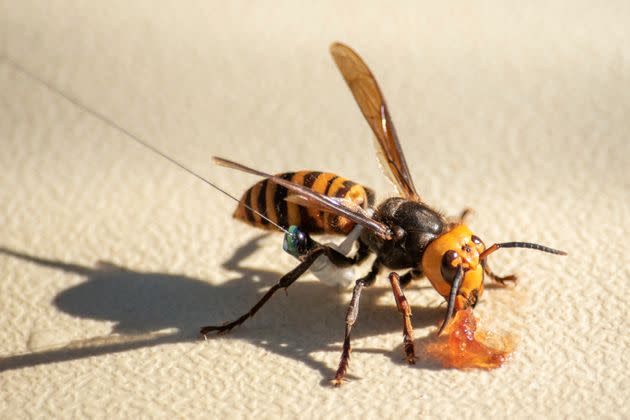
<point x="145" y="304"/>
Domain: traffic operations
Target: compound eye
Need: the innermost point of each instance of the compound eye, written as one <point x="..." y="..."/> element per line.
<point x="448" y="269"/>
<point x="476" y="240"/>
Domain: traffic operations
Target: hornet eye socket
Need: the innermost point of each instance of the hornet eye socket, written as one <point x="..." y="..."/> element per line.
<point x="447" y="269"/>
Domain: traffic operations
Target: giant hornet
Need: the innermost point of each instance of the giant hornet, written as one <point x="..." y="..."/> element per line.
<point x="403" y="232"/>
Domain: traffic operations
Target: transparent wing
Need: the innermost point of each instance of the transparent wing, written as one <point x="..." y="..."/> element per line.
<point x="310" y="198"/>
<point x="372" y="104"/>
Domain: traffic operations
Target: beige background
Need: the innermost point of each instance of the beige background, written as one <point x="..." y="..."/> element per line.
<point x="111" y="257"/>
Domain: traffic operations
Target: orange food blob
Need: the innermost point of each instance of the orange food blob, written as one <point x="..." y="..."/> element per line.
<point x="462" y="347"/>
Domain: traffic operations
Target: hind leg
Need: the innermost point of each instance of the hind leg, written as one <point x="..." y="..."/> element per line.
<point x="284" y="282"/>
<point x="351" y="317"/>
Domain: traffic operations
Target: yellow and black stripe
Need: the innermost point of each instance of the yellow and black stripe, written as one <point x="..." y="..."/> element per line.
<point x="268" y="198"/>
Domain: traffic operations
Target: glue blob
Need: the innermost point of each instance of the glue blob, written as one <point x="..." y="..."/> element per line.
<point x="461" y="346"/>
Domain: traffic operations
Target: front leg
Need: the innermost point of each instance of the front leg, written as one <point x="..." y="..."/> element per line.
<point x="496" y="278"/>
<point x="405" y="309"/>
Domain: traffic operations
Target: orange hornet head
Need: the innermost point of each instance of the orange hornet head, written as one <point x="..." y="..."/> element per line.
<point x="442" y="260"/>
<point x="454" y="264"/>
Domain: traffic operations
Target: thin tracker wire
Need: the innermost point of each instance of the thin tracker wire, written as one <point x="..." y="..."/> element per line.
<point x="127" y="133"/>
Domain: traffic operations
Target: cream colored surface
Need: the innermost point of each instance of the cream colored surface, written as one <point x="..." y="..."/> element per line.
<point x="112" y="257"/>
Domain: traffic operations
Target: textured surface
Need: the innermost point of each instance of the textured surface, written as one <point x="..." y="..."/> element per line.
<point x="111" y="257"/>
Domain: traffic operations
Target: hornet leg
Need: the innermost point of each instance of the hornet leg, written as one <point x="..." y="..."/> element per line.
<point x="351" y="317"/>
<point x="336" y="257"/>
<point x="406" y="278"/>
<point x="284" y="282"/>
<point x="499" y="279"/>
<point x="403" y="307"/>
<point x="463" y="217"/>
<point x="341" y="260"/>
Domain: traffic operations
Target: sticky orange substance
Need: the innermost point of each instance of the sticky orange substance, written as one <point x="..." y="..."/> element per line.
<point x="461" y="346"/>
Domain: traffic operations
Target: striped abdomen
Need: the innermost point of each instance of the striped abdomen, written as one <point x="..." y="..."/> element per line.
<point x="268" y="198"/>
